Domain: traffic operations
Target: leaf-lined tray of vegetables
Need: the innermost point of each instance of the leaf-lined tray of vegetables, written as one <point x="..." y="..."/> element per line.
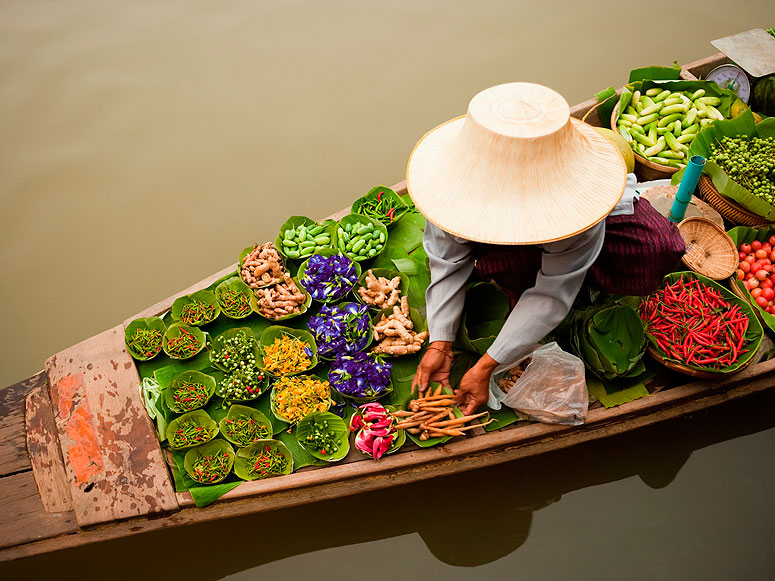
<point x="261" y="266"/>
<point x="285" y="300"/>
<point x="422" y="437"/>
<point x="244" y="425"/>
<point x="741" y="162"/>
<point x="377" y="433"/>
<point x="210" y="463"/>
<point x="235" y="298"/>
<point x="381" y="288"/>
<point x="743" y="236"/>
<point x="189" y="391"/>
<point x="324" y="435"/>
<point x="360" y="237"/>
<point x="183" y="341"/>
<point x="328" y="275"/>
<point x="342" y="328"/>
<point x="286" y="351"/>
<point x="144" y="337"/>
<point x="360" y="376"/>
<point x="196" y="309"/>
<point x="301" y="237"/>
<point x="233" y="347"/>
<point x="294" y="398"/>
<point x="399" y="331"/>
<point x="381" y="203"/>
<point x="698" y="327"/>
<point x="263" y="459"/>
<point x="191" y="429"/>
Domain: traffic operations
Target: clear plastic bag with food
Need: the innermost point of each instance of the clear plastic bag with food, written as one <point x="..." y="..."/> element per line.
<point x="548" y="386"/>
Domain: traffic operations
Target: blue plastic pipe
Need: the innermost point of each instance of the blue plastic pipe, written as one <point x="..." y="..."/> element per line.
<point x="686" y="188"/>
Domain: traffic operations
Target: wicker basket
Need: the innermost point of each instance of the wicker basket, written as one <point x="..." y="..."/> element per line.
<point x="645" y="169"/>
<point x="727" y="208"/>
<point x="686" y="370"/>
<point x="709" y="250"/>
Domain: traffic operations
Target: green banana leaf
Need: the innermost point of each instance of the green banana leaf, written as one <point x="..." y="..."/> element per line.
<point x="238" y="412"/>
<point x="743" y="235"/>
<point x="701" y="145"/>
<point x="329" y="227"/>
<point x="242" y="464"/>
<point x="358" y="219"/>
<point x="218" y="345"/>
<point x="201" y="296"/>
<point x="148" y="323"/>
<point x="177" y="329"/>
<point x="597" y="391"/>
<point x="335" y="424"/>
<point x="387" y="194"/>
<point x="236" y="284"/>
<point x="483" y="317"/>
<point x="387" y="273"/>
<point x="655" y="73"/>
<point x="190" y="376"/>
<point x="271" y="334"/>
<point x="501" y="418"/>
<point x="753" y="335"/>
<point x="301" y="457"/>
<point x="208" y="449"/>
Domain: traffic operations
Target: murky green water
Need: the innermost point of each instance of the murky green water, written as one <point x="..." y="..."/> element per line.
<point x="145" y="143"/>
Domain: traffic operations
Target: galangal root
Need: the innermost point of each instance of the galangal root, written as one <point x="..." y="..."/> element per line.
<point x="281" y="299"/>
<point x="262" y="266"/>
<point x="396" y="335"/>
<point x="433" y="416"/>
<point x="512" y="375"/>
<point x="380" y="292"/>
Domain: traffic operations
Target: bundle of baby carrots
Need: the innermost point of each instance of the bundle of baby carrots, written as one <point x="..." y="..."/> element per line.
<point x="433" y="416"/>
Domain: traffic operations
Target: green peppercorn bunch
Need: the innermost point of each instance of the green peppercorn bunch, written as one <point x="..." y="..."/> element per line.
<point x="244" y="382"/>
<point x="323" y="439"/>
<point x="235" y="350"/>
<point x="749" y="161"/>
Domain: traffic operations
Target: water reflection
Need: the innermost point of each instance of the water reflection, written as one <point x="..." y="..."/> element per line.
<point x="467" y="520"/>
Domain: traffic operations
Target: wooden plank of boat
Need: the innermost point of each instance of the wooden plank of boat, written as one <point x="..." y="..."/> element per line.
<point x="20" y="534"/>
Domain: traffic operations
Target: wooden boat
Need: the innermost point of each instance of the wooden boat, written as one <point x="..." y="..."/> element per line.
<point x="80" y="462"/>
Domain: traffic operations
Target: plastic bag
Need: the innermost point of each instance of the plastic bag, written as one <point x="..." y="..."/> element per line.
<point x="551" y="390"/>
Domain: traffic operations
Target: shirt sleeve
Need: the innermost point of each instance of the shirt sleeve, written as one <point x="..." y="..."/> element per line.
<point x="451" y="262"/>
<point x="541" y="308"/>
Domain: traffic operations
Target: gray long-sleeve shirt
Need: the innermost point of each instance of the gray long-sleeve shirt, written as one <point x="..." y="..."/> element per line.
<point x="539" y="310"/>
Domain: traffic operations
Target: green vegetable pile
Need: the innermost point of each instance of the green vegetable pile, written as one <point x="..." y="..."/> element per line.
<point x="304" y="241"/>
<point x="748" y="161"/>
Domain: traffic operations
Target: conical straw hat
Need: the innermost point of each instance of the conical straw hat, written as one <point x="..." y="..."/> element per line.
<point x="517" y="169"/>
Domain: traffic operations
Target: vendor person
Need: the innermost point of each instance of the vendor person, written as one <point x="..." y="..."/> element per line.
<point x="537" y="201"/>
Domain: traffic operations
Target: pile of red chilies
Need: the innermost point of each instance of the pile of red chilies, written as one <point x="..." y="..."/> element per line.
<point x="694" y="325"/>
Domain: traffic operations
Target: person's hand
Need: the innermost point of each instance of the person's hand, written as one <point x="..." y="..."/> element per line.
<point x="435" y="366"/>
<point x="475" y="385"/>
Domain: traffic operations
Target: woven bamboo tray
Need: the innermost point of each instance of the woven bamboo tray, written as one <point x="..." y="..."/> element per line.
<point x="645" y="169"/>
<point x="709" y="250"/>
<point x="727" y="208"/>
<point x="690" y="371"/>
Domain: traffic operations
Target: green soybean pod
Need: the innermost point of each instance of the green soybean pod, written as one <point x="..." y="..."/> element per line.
<point x="662" y="96"/>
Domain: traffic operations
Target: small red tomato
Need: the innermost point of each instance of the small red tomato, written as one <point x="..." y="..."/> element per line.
<point x="768" y="293"/>
<point x="752" y="283"/>
<point x="756" y="267"/>
<point x="762" y="302"/>
<point x="745" y="248"/>
<point x="767" y="283"/>
<point x="755" y="245"/>
<point x="745" y="266"/>
<point x="772" y="256"/>
<point x="750" y="258"/>
<point x="742" y="255"/>
<point x="757" y="292"/>
<point x="762" y="275"/>
<point x="740" y="274"/>
<point x="772" y="240"/>
<point x="761" y="253"/>
<point x="766" y="246"/>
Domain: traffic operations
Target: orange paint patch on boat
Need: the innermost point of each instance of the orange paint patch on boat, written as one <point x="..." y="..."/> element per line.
<point x="66" y="389"/>
<point x="84" y="454"/>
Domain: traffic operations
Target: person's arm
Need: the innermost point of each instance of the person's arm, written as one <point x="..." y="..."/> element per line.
<point x="451" y="262"/>
<point x="539" y="310"/>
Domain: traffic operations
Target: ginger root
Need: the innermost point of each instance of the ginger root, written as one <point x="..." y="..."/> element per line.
<point x="380" y="291"/>
<point x="507" y="381"/>
<point x="280" y="300"/>
<point x="262" y="266"/>
<point x="395" y="333"/>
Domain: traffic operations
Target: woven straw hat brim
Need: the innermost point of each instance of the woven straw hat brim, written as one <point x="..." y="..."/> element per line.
<point x="547" y="191"/>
